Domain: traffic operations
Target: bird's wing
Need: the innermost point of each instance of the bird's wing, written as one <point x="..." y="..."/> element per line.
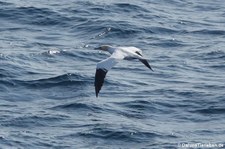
<point x="103" y="67"/>
<point x="145" y="62"/>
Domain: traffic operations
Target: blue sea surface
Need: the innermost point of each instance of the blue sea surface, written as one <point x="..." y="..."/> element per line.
<point x="47" y="69"/>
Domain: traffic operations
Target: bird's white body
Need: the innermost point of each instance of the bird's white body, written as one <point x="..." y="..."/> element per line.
<point x="125" y="52"/>
<point x="117" y="53"/>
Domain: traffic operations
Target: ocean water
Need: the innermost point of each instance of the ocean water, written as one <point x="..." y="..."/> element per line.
<point x="47" y="68"/>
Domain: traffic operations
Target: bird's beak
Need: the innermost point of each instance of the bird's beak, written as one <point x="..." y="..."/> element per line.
<point x="97" y="48"/>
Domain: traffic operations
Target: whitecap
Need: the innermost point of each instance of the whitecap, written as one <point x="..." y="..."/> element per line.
<point x="53" y="51"/>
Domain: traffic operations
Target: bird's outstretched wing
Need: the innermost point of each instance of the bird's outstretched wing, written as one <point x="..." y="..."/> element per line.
<point x="99" y="79"/>
<point x="103" y="67"/>
<point x="145" y="62"/>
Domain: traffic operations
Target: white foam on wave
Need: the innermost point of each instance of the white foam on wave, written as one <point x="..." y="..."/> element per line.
<point x="53" y="51"/>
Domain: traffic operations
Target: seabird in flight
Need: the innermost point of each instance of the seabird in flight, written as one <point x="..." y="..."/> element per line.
<point x="117" y="53"/>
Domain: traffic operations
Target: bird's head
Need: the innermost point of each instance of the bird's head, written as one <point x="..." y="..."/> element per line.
<point x="103" y="47"/>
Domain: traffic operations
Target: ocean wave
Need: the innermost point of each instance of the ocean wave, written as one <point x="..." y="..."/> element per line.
<point x="214" y="55"/>
<point x="209" y="32"/>
<point x="214" y="59"/>
<point x="83" y="55"/>
<point x="34" y="16"/>
<point x="137" y="136"/>
<point x="31" y="121"/>
<point x="135" y="109"/>
<point x="128" y="7"/>
<point x="58" y="81"/>
<point x="77" y="107"/>
<point x="5" y="3"/>
<point x="169" y="43"/>
<point x="138" y="105"/>
<point x="163" y="30"/>
<point x="210" y="110"/>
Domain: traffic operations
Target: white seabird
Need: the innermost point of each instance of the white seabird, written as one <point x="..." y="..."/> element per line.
<point x="117" y="53"/>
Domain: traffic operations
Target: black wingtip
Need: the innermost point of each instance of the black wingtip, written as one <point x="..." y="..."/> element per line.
<point x="151" y="68"/>
<point x="145" y="62"/>
<point x="99" y="80"/>
<point x="96" y="91"/>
